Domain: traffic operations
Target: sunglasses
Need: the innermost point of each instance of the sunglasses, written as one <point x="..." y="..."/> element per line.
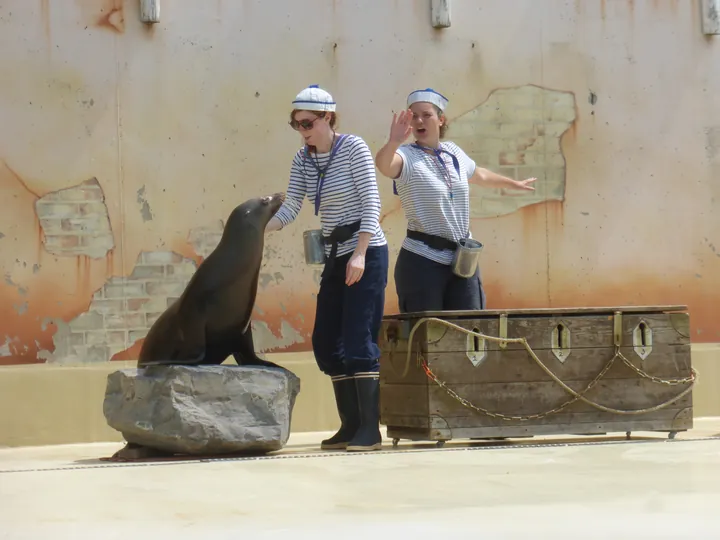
<point x="304" y="124"/>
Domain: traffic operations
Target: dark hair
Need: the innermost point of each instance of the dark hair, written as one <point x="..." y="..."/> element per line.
<point x="333" y="121"/>
<point x="333" y="115"/>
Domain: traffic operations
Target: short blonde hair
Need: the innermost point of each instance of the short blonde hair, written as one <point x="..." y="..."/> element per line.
<point x="445" y="125"/>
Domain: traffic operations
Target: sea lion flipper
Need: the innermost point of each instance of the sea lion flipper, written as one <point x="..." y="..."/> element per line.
<point x="245" y="354"/>
<point x="244" y="361"/>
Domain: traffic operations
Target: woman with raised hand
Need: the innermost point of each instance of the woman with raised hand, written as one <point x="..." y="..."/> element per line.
<point x="432" y="178"/>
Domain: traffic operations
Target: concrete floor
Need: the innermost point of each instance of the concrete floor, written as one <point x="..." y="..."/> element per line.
<point x="549" y="487"/>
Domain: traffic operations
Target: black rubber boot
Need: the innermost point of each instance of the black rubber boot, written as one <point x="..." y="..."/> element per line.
<point x="347" y="405"/>
<point x="368" y="436"/>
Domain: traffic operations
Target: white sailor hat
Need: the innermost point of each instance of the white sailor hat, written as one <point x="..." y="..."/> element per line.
<point x="314" y="98"/>
<point x="429" y="95"/>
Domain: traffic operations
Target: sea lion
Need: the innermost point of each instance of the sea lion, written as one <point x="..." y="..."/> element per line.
<point x="211" y="319"/>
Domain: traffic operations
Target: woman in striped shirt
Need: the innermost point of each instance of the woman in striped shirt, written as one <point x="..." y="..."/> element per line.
<point x="337" y="175"/>
<point x="431" y="177"/>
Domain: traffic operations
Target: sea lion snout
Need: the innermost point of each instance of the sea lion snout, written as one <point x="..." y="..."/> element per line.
<point x="280" y="196"/>
<point x="275" y="200"/>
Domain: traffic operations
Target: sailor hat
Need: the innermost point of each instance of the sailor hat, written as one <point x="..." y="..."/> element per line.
<point x="314" y="98"/>
<point x="428" y="95"/>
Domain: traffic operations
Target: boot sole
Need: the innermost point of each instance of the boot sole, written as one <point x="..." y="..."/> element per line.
<point x="377" y="446"/>
<point x="336" y="446"/>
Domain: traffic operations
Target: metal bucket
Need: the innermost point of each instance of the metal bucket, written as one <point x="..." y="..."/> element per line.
<point x="466" y="258"/>
<point x="314" y="247"/>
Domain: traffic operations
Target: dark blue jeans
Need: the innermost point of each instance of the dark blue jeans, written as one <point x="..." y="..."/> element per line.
<point x="348" y="319"/>
<point x="426" y="285"/>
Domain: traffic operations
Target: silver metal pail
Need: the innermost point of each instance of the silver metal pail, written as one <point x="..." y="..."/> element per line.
<point x="466" y="258"/>
<point x="314" y="247"/>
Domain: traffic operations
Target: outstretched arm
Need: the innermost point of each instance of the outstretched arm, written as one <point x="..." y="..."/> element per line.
<point x="486" y="178"/>
<point x="294" y="196"/>
<point x="273" y="225"/>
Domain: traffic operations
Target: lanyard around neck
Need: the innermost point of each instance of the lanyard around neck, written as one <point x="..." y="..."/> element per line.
<point x="438" y="152"/>
<point x="322" y="172"/>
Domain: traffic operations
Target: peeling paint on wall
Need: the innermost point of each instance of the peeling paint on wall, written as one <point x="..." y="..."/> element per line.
<point x="38" y="287"/>
<point x="144" y="206"/>
<point x="75" y="221"/>
<point x="205" y="239"/>
<point x="517" y="132"/>
<point x="280" y="327"/>
<point x="174" y="133"/>
<point x="5" y="347"/>
<point x="112" y="16"/>
<point x="265" y="340"/>
<point x="266" y="279"/>
<point x="123" y="310"/>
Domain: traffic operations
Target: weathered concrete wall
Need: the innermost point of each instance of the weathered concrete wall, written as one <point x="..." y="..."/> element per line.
<point x="124" y="147"/>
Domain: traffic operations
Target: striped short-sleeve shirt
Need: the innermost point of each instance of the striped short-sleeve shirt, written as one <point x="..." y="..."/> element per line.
<point x="349" y="192"/>
<point x="425" y="197"/>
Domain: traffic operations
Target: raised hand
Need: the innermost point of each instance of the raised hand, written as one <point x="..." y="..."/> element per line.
<point x="400" y="128"/>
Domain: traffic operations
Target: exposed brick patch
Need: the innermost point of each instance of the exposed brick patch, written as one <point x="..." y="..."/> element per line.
<point x="205" y="239"/>
<point x="265" y="340"/>
<point x="75" y="221"/>
<point x="124" y="309"/>
<point x="517" y="132"/>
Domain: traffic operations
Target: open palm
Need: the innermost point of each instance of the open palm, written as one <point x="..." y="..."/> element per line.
<point x="400" y="128"/>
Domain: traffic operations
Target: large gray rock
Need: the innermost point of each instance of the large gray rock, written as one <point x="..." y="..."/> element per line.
<point x="202" y="409"/>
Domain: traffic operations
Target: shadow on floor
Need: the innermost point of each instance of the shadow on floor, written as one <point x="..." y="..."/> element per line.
<point x="313" y="450"/>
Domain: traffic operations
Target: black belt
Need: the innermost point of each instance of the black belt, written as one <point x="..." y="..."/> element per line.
<point x="433" y="241"/>
<point x="341" y="233"/>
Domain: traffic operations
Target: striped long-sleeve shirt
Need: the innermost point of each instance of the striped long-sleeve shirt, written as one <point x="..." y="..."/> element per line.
<point x="349" y="192"/>
<point x="425" y="197"/>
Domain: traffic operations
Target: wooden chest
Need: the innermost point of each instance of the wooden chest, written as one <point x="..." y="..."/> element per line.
<point x="535" y="372"/>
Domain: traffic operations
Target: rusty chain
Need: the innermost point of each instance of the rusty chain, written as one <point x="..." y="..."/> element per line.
<point x="669" y="382"/>
<point x="576" y="395"/>
<point x="466" y="403"/>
